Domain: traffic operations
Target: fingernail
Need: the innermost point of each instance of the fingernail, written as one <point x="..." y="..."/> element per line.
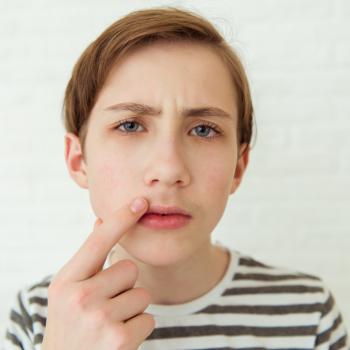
<point x="137" y="205"/>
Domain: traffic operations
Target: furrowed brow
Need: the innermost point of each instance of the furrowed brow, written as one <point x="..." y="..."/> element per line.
<point x="137" y="108"/>
<point x="142" y="109"/>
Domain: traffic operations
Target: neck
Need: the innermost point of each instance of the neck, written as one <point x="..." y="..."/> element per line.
<point x="195" y="276"/>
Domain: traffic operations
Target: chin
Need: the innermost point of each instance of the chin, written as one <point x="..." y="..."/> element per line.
<point x="160" y="248"/>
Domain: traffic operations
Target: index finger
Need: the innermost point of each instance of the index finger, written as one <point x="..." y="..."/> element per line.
<point x="91" y="256"/>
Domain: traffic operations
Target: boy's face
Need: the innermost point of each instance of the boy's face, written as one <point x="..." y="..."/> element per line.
<point x="169" y="159"/>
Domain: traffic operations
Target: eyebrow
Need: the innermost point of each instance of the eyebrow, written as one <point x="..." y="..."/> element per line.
<point x="143" y="109"/>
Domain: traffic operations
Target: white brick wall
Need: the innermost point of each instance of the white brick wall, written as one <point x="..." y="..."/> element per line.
<point x="296" y="192"/>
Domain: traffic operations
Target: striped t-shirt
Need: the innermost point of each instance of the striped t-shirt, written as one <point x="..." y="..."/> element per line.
<point x="254" y="306"/>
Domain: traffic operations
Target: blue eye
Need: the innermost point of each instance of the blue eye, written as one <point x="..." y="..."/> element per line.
<point x="206" y="127"/>
<point x="127" y="123"/>
<point x="129" y="126"/>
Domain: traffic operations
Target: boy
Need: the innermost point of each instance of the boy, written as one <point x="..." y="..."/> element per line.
<point x="170" y="75"/>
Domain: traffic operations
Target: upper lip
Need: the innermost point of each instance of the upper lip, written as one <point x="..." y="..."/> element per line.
<point x="160" y="209"/>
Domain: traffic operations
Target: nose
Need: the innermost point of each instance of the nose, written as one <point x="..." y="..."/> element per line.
<point x="168" y="164"/>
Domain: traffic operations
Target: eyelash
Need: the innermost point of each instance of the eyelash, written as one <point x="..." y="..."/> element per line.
<point x="131" y="120"/>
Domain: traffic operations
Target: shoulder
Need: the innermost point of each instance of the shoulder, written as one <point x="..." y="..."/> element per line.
<point x="250" y="264"/>
<point x="285" y="282"/>
<point x="248" y="261"/>
<point x="292" y="292"/>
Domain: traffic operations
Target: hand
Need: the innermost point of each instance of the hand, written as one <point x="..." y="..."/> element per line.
<point x="94" y="309"/>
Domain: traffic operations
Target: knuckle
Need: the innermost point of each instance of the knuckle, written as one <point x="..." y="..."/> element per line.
<point x="150" y="317"/>
<point x="56" y="288"/>
<point x="129" y="264"/>
<point x="143" y="294"/>
<point x="100" y="317"/>
<point x="119" y="337"/>
<point x="80" y="297"/>
<point x="152" y="321"/>
<point x="130" y="267"/>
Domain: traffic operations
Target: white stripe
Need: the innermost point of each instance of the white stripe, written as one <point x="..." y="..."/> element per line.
<point x="15" y="329"/>
<point x="273" y="299"/>
<point x="270" y="271"/>
<point x="335" y="335"/>
<point x="252" y="320"/>
<point x="223" y="341"/>
<point x="328" y="320"/>
<point x="256" y="283"/>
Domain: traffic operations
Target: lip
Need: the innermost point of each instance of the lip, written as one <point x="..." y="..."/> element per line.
<point x="160" y="209"/>
<point x="164" y="222"/>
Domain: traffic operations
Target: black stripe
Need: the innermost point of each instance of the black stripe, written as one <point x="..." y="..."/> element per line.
<point x="326" y="335"/>
<point x="262" y="309"/>
<point x="326" y="308"/>
<point x="14" y="340"/>
<point x="245" y="261"/>
<point x="39" y="318"/>
<point x="267" y="277"/>
<point x="339" y="343"/>
<point x="38" y="339"/>
<point x="212" y="330"/>
<point x="251" y="262"/>
<point x="18" y="319"/>
<point x="38" y="300"/>
<point x="25" y="315"/>
<point x="328" y="305"/>
<point x="45" y="282"/>
<point x="298" y="288"/>
<point x="312" y="277"/>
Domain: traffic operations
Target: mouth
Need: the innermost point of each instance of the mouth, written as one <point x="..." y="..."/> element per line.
<point x="161" y="221"/>
<point x="158" y="214"/>
<point x="166" y="211"/>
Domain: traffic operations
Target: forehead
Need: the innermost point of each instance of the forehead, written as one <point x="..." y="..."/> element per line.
<point x="191" y="72"/>
<point x="184" y="56"/>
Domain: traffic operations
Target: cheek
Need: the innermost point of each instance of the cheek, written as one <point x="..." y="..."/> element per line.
<point x="216" y="184"/>
<point x="107" y="177"/>
<point x="107" y="188"/>
<point x="218" y="180"/>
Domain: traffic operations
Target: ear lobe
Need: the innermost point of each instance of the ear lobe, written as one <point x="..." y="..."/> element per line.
<point x="235" y="182"/>
<point x="241" y="166"/>
<point x="74" y="160"/>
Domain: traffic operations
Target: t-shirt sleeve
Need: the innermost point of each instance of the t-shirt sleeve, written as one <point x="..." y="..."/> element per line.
<point x="331" y="330"/>
<point x="19" y="327"/>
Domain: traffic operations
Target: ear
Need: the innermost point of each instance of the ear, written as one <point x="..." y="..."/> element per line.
<point x="241" y="166"/>
<point x="74" y="160"/>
